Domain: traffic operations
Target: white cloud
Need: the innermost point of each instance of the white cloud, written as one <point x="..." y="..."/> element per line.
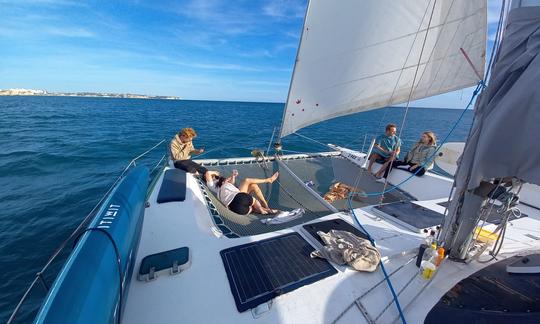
<point x="69" y="32"/>
<point x="285" y="9"/>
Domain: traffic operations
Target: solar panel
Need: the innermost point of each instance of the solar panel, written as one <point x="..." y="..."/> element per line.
<point x="262" y="270"/>
<point x="415" y="216"/>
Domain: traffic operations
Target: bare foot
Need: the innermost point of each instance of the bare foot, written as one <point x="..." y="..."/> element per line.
<point x="273" y="177"/>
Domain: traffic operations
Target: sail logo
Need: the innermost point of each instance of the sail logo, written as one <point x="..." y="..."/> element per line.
<point x="109" y="216"/>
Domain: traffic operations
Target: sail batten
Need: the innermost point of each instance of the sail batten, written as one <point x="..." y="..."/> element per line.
<point x="361" y="55"/>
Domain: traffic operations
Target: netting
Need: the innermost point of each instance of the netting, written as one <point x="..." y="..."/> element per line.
<point x="325" y="171"/>
<point x="289" y="192"/>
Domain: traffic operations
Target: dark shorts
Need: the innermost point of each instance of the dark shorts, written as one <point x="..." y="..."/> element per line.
<point x="241" y="203"/>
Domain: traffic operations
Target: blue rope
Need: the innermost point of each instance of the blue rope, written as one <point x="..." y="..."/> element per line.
<point x="386" y="277"/>
<point x="392" y="188"/>
<point x="349" y="201"/>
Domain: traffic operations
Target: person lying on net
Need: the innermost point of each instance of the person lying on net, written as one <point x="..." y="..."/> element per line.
<point x="239" y="199"/>
<point x="417" y="160"/>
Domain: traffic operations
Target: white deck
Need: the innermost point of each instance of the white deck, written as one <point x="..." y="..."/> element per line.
<point x="201" y="293"/>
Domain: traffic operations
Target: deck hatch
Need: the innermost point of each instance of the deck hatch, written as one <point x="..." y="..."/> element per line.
<point x="173" y="187"/>
<point x="262" y="270"/>
<point x="412" y="216"/>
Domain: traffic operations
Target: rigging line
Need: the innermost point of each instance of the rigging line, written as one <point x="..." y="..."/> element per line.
<point x="392" y="188"/>
<point x="270" y="142"/>
<point x="403" y="68"/>
<point x="294" y="199"/>
<point x="315" y="141"/>
<point x="446" y="54"/>
<point x="298" y="152"/>
<point x="371" y="289"/>
<point x="143" y="154"/>
<point x="498" y="36"/>
<point x="281" y="187"/>
<point x="289" y="171"/>
<point x="410" y="95"/>
<point x="494" y="53"/>
<point x="396" y="299"/>
<point x="229" y="143"/>
<point x="386" y="109"/>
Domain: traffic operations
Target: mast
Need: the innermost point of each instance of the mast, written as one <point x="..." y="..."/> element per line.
<point x="500" y="151"/>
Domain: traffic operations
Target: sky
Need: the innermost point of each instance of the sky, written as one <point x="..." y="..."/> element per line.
<point x="241" y="50"/>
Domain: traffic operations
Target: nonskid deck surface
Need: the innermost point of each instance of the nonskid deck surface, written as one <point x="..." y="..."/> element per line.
<point x="202" y="293"/>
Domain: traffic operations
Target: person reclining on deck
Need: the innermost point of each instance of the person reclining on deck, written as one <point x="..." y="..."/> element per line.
<point x="181" y="148"/>
<point x="418" y="159"/>
<point x="386" y="147"/>
<point x="239" y="199"/>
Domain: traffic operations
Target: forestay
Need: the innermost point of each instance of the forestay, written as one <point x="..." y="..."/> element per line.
<point x="360" y="55"/>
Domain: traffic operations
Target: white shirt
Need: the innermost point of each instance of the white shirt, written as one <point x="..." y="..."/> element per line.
<point x="225" y="193"/>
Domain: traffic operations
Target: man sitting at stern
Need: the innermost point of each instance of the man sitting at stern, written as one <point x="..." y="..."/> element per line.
<point x="182" y="148"/>
<point x="386" y="148"/>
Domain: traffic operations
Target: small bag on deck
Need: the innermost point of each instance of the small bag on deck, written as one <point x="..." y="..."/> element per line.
<point x="343" y="247"/>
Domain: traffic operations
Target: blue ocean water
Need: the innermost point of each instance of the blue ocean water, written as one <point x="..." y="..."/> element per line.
<point x="59" y="155"/>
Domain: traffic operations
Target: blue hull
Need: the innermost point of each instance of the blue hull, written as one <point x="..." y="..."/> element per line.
<point x="87" y="288"/>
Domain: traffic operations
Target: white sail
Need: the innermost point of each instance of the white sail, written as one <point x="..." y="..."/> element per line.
<point x="367" y="57"/>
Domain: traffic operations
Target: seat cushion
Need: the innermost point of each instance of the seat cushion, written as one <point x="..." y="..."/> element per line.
<point x="173" y="187"/>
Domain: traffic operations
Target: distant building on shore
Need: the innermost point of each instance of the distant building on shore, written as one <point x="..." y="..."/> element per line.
<point x="31" y="92"/>
<point x="22" y="92"/>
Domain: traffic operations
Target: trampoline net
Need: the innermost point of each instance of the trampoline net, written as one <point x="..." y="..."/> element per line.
<point x="325" y="171"/>
<point x="289" y="193"/>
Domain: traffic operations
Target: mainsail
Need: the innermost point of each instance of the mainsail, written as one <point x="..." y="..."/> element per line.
<point x="370" y="53"/>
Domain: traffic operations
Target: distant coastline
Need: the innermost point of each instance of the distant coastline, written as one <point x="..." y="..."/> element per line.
<point x="32" y="92"/>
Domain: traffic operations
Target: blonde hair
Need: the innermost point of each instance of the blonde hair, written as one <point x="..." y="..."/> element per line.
<point x="432" y="138"/>
<point x="188" y="132"/>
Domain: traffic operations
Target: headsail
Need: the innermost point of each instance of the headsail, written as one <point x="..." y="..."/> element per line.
<point x="360" y="55"/>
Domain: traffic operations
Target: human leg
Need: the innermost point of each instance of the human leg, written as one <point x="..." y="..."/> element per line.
<point x="385" y="167"/>
<point x="258" y="208"/>
<point x="244" y="185"/>
<point x="396" y="164"/>
<point x="254" y="189"/>
<point x="190" y="166"/>
<point x="372" y="158"/>
<point x="417" y="172"/>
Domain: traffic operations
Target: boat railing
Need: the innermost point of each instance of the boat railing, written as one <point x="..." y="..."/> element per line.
<point x="40" y="275"/>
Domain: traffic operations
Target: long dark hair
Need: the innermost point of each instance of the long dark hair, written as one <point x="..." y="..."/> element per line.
<point x="220" y="181"/>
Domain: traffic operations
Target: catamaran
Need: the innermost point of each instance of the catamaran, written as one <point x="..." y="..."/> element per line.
<point x="160" y="247"/>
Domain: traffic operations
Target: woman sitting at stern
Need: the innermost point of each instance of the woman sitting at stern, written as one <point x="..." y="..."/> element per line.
<point x="418" y="159"/>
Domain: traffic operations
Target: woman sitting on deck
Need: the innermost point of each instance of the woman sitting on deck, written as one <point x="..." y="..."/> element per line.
<point x="239" y="199"/>
<point x="418" y="159"/>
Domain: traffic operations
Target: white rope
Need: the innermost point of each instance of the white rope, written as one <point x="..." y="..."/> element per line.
<point x="411" y="91"/>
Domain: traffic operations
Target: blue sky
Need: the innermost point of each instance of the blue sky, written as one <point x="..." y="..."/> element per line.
<point x="197" y="49"/>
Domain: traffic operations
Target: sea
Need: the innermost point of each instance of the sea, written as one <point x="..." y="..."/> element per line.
<point x="59" y="156"/>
